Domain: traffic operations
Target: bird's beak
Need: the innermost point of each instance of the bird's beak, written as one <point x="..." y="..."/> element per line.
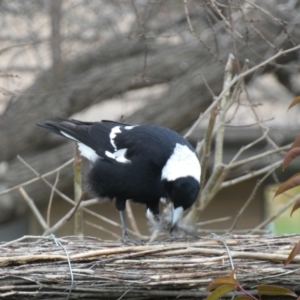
<point x="176" y="214"/>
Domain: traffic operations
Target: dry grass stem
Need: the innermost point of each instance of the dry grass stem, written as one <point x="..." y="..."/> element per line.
<point x="106" y="269"/>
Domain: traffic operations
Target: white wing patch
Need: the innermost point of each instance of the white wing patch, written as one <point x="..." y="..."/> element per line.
<point x="85" y="151"/>
<point x="118" y="156"/>
<point x="68" y="136"/>
<point x="182" y="163"/>
<point x="130" y="127"/>
<point x="113" y="134"/>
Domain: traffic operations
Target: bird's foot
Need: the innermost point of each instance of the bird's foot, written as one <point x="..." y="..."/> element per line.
<point x="126" y="239"/>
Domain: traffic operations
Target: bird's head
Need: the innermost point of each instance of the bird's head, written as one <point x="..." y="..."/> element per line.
<point x="183" y="193"/>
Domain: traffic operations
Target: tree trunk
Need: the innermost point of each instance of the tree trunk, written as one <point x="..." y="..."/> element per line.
<point x="116" y="68"/>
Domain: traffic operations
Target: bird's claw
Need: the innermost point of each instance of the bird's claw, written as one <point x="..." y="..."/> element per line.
<point x="126" y="239"/>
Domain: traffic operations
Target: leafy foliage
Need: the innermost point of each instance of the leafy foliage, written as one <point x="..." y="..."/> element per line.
<point x="293" y="181"/>
<point x="293" y="153"/>
<point x="223" y="285"/>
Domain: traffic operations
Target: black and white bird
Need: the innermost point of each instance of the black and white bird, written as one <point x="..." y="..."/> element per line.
<point x="143" y="163"/>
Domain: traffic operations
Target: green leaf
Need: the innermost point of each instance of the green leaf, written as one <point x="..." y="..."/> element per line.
<point x="293" y="253"/>
<point x="289" y="184"/>
<point x="290" y="155"/>
<point x="272" y="290"/>
<point x="221" y="291"/>
<point x="294" y="102"/>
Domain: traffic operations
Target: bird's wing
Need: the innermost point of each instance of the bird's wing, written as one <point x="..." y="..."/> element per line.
<point x="117" y="142"/>
<point x="148" y="143"/>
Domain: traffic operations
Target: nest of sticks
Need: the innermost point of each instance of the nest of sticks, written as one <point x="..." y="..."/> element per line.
<point x="90" y="268"/>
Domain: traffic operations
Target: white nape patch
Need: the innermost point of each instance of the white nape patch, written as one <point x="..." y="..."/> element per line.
<point x="182" y="163"/>
<point x="176" y="214"/>
<point x="118" y="156"/>
<point x="87" y="152"/>
<point x="68" y="136"/>
<point x="130" y="127"/>
<point x="163" y="200"/>
<point x="113" y="134"/>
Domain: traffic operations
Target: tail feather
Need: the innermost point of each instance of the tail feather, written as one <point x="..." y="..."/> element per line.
<point x="95" y="135"/>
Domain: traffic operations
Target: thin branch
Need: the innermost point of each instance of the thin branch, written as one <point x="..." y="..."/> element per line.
<point x="250" y="198"/>
<point x="251" y="175"/>
<point x="114" y="235"/>
<point x="78" y="195"/>
<point x="51" y="198"/>
<point x="39" y="177"/>
<point x="131" y="219"/>
<point x="214" y="221"/>
<point x="213" y="184"/>
<point x="224" y="19"/>
<point x="258" y="156"/>
<point x="235" y="80"/>
<point x="68" y="216"/>
<point x="33" y="208"/>
<point x="276" y="214"/>
<point x="219" y="143"/>
<point x="244" y="148"/>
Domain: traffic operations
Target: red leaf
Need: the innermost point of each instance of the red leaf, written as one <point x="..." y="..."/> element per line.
<point x="294" y="102"/>
<point x="289" y="184"/>
<point x="272" y="290"/>
<point x="289" y="156"/>
<point x="296" y="142"/>
<point x="295" y="207"/>
<point x="293" y="253"/>
<point x="243" y="297"/>
<point x="226" y="280"/>
<point x="221" y="291"/>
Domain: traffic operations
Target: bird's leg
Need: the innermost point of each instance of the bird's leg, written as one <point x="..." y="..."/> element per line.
<point x="121" y="205"/>
<point x="125" y="237"/>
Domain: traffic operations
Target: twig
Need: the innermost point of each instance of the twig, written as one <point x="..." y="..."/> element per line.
<point x="227" y="249"/>
<point x="219" y="143"/>
<point x="251" y="175"/>
<point x="102" y="229"/>
<point x="143" y="34"/>
<point x="224" y="19"/>
<point x="33" y="208"/>
<point x="51" y="198"/>
<point x="214" y="221"/>
<point x="235" y="80"/>
<point x="109" y="221"/>
<point x="258" y="156"/>
<point x="39" y="177"/>
<point x="244" y="148"/>
<point x="207" y="146"/>
<point x="275" y="215"/>
<point x="58" y="243"/>
<point x="250" y="198"/>
<point x="131" y="219"/>
<point x="213" y="183"/>
<point x="25" y="237"/>
<point x="58" y="192"/>
<point x="78" y="225"/>
<point x="68" y="216"/>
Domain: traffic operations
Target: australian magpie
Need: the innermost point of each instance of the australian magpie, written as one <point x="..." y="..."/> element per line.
<point x="143" y="163"/>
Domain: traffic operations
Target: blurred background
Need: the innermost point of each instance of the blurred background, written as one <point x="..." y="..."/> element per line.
<point x="143" y="61"/>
